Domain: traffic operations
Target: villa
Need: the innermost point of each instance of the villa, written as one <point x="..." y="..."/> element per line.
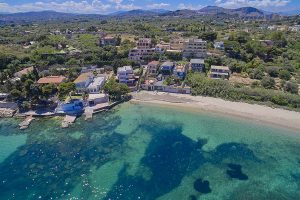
<point x="167" y="68"/>
<point x="87" y="82"/>
<point x="125" y="75"/>
<point x="180" y="71"/>
<point x="153" y="68"/>
<point x="197" y="65"/>
<point x="219" y="72"/>
<point x="156" y="85"/>
<point x="94" y="99"/>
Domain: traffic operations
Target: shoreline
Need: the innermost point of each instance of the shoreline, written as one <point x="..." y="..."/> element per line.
<point x="277" y="117"/>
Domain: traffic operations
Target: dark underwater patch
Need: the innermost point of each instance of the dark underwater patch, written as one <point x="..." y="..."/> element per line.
<point x="192" y="197"/>
<point x="169" y="156"/>
<point x="202" y="186"/>
<point x="235" y="172"/>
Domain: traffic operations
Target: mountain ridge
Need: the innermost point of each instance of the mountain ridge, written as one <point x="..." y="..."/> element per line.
<point x="243" y="12"/>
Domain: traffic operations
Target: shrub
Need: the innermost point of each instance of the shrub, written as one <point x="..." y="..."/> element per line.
<point x="257" y="74"/>
<point x="272" y="71"/>
<point x="279" y="100"/>
<point x="291" y="87"/>
<point x="268" y="82"/>
<point x="285" y="75"/>
<point x="255" y="84"/>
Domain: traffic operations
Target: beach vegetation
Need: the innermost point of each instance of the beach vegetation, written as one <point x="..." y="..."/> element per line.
<point x="202" y="85"/>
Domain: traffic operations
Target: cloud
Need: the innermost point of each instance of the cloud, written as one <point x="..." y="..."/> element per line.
<point x="96" y="6"/>
<point x="183" y="6"/>
<point x="130" y="6"/>
<point x="252" y="3"/>
<point x="158" y="5"/>
<point x="116" y="1"/>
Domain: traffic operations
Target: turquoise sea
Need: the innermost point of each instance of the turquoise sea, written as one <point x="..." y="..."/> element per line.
<point x="149" y="152"/>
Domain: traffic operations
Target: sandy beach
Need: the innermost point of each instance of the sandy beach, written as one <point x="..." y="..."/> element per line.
<point x="257" y="113"/>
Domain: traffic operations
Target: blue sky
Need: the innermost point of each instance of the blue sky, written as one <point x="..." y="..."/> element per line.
<point x="108" y="6"/>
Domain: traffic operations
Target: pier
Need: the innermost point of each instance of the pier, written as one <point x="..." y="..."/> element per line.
<point x="25" y="124"/>
<point x="89" y="111"/>
<point x="68" y="120"/>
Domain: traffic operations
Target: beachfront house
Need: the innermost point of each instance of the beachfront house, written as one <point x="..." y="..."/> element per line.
<point x="156" y="85"/>
<point x="94" y="99"/>
<point x="89" y="83"/>
<point x="167" y="68"/>
<point x="219" y="72"/>
<point x="125" y="75"/>
<point x="56" y="80"/>
<point x="153" y="68"/>
<point x="197" y="65"/>
<point x="180" y="71"/>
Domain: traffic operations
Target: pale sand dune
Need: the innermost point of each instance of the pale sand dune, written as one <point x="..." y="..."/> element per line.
<point x="259" y="113"/>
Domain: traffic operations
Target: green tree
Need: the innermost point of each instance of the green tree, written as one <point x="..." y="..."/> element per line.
<point x="209" y="36"/>
<point x="115" y="90"/>
<point x="48" y="90"/>
<point x="16" y="94"/>
<point x="64" y="89"/>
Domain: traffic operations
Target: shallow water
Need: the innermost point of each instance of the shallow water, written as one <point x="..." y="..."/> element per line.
<point x="149" y="152"/>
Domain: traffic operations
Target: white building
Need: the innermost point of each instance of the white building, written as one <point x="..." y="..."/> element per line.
<point x="87" y="82"/>
<point x="219" y="45"/>
<point x="219" y="72"/>
<point x="194" y="48"/>
<point x="139" y="55"/>
<point x="153" y="68"/>
<point x="197" y="65"/>
<point x="94" y="99"/>
<point x="125" y="75"/>
<point x="143" y="50"/>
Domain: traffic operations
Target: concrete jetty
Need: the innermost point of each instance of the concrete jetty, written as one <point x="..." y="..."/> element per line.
<point x="68" y="120"/>
<point x="25" y="124"/>
<point x="88" y="112"/>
